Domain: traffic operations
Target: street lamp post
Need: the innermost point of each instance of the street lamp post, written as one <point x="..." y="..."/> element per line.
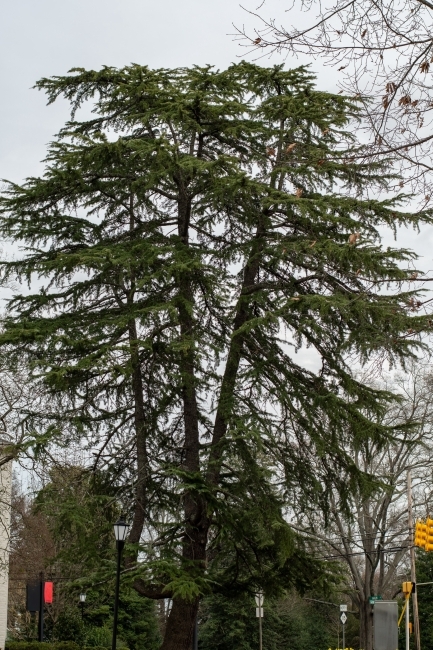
<point x="82" y="601"/>
<point x="259" y="614"/>
<point x="120" y="532"/>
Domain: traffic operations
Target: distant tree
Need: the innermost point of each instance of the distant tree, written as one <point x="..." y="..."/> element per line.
<point x="380" y="50"/>
<point x="80" y="508"/>
<point x="66" y="532"/>
<point x="371" y="535"/>
<point x="189" y="238"/>
<point x="424" y="568"/>
<point x="21" y="397"/>
<point x="32" y="548"/>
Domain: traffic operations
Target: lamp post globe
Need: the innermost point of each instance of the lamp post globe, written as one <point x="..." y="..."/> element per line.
<point x="82" y="601"/>
<point x="120" y="533"/>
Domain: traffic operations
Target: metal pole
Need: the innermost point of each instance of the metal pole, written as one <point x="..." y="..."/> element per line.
<point x="412" y="564"/>
<point x="41" y="607"/>
<point x="260" y="627"/>
<point x="119" y="545"/>
<point x="344" y="643"/>
<point x="338" y="633"/>
<point x="407" y="625"/>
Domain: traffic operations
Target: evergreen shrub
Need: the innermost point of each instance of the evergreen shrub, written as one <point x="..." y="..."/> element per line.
<point x="36" y="645"/>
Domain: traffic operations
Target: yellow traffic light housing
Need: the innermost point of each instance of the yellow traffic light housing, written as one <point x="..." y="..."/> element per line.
<point x="421" y="534"/>
<point x="407" y="588"/>
<point x="429" y="535"/>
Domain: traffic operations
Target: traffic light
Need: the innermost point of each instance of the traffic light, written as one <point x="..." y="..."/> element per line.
<point x="429" y="535"/>
<point x="424" y="534"/>
<point x="407" y="588"/>
<point x="421" y="534"/>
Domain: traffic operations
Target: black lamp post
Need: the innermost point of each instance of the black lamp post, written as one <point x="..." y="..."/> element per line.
<point x="120" y="531"/>
<point x="82" y="601"/>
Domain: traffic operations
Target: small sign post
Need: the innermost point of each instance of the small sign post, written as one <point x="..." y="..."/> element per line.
<point x="343" y="619"/>
<point x="259" y="614"/>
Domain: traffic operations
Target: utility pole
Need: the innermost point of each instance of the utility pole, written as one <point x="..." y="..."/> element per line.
<point x="412" y="569"/>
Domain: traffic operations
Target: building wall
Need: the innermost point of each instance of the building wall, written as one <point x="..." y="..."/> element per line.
<point x="5" y="516"/>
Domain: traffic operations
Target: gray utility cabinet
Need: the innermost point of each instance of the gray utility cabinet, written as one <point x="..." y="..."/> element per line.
<point x="385" y="621"/>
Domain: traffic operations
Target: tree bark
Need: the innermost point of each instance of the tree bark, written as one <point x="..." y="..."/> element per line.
<point x="139" y="411"/>
<point x="182" y="617"/>
<point x="234" y="356"/>
<point x="365" y="625"/>
<point x="180" y="623"/>
<point x="140" y="439"/>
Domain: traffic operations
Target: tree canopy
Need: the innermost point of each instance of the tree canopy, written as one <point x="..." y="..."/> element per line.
<point x="182" y="245"/>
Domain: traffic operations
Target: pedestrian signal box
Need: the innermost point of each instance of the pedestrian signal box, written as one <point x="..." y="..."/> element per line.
<point x="33" y="597"/>
<point x="48" y="592"/>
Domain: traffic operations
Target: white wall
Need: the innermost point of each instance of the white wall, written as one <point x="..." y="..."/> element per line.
<point x="5" y="516"/>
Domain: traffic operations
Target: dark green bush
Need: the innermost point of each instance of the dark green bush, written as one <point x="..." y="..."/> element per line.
<point x="30" y="645"/>
<point x="98" y="637"/>
<point x="61" y="645"/>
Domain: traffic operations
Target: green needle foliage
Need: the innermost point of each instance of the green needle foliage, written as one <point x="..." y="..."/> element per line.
<point x="187" y="241"/>
<point x="424" y="573"/>
<point x="80" y="508"/>
<point x="287" y="623"/>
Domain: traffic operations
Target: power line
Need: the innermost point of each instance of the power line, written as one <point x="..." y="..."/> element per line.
<point x="382" y="550"/>
<point x="326" y="602"/>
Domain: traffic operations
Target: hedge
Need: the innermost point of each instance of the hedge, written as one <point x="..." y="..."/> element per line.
<point x="60" y="645"/>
